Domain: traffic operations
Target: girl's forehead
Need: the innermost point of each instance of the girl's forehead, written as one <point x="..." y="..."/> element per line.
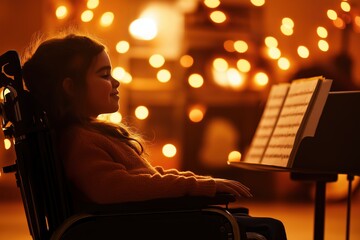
<point x="101" y="61"/>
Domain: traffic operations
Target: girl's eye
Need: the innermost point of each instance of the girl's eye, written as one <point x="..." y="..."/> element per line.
<point x="106" y="76"/>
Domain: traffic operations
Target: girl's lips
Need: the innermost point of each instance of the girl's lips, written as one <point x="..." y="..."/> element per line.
<point x="115" y="93"/>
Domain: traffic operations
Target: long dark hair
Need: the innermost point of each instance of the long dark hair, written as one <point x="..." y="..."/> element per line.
<point x="68" y="57"/>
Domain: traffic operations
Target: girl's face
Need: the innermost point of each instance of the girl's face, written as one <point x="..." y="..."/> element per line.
<point x="102" y="94"/>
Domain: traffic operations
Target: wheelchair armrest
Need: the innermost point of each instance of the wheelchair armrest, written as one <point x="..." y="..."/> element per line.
<point x="165" y="218"/>
<point x="162" y="204"/>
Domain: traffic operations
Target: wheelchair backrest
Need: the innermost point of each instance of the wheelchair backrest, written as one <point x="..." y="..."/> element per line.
<point x="37" y="170"/>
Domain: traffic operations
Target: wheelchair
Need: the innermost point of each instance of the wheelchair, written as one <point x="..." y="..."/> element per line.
<point x="49" y="211"/>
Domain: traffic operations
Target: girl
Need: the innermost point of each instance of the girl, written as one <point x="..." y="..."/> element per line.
<point x="70" y="78"/>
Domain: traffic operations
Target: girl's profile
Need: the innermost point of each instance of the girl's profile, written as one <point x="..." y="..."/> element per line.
<point x="70" y="77"/>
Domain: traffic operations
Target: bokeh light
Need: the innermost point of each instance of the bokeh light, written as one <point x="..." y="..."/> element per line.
<point x="169" y="150"/>
<point x="141" y="112"/>
<point x="107" y="19"/>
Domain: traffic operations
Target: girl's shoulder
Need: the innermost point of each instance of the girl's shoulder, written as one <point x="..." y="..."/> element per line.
<point x="78" y="133"/>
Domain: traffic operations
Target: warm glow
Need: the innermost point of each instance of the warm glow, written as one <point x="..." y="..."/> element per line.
<point x="286" y="30"/>
<point x="220" y="64"/>
<point x="357" y="21"/>
<point x="195" y="80"/>
<point x="218" y="17"/>
<point x="141" y="112"/>
<point x="345" y="6"/>
<point x="230" y="78"/>
<point x="196" y="113"/>
<point x="61" y="12"/>
<point x="287" y="26"/>
<point x="169" y="150"/>
<point x="283" y="63"/>
<point x="339" y="23"/>
<point x="332" y="15"/>
<point x="235" y="79"/>
<point x="115" y="117"/>
<point x="258" y="3"/>
<point x="234" y="156"/>
<point x="107" y="19"/>
<point x="322" y="32"/>
<point x="271" y="42"/>
<point x="92" y="4"/>
<point x="7" y="144"/>
<point x="220" y="78"/>
<point x="243" y="65"/>
<point x="261" y="79"/>
<point x="212" y="3"/>
<point x="229" y="46"/>
<point x="127" y="78"/>
<point x="303" y="52"/>
<point x="274" y="53"/>
<point x="288" y="22"/>
<point x="121" y="75"/>
<point x="241" y="46"/>
<point x="323" y="45"/>
<point x="186" y="61"/>
<point x="118" y="73"/>
<point x="87" y="16"/>
<point x="143" y="29"/>
<point x="163" y="75"/>
<point x="156" y="60"/>
<point x="122" y="46"/>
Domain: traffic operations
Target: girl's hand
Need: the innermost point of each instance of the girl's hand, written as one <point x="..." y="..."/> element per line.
<point x="233" y="187"/>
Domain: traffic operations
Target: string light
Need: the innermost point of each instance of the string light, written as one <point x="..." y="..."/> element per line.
<point x="143" y="29"/>
<point x="186" y="61"/>
<point x="163" y="75"/>
<point x="235" y="79"/>
<point x="241" y="46"/>
<point x="287" y="26"/>
<point x="220" y="64"/>
<point x="323" y="45"/>
<point x="229" y="46"/>
<point x="61" y="12"/>
<point x="243" y="65"/>
<point x="156" y="60"/>
<point x="127" y="78"/>
<point x="258" y="3"/>
<point x="115" y="117"/>
<point x="218" y="16"/>
<point x="234" y="156"/>
<point x="261" y="79"/>
<point x="283" y="63"/>
<point x="331" y="14"/>
<point x="274" y="52"/>
<point x="92" y="4"/>
<point x="122" y="46"/>
<point x="212" y="3"/>
<point x="7" y="144"/>
<point x="195" y="80"/>
<point x="107" y="19"/>
<point x="141" y="112"/>
<point x="87" y="16"/>
<point x="169" y="150"/>
<point x="322" y="32"/>
<point x="196" y="113"/>
<point x="303" y="52"/>
<point x="271" y="42"/>
<point x="345" y="6"/>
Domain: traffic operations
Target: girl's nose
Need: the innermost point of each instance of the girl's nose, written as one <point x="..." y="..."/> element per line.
<point x="115" y="82"/>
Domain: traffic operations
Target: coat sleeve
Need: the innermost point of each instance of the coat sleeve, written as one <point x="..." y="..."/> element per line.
<point x="92" y="170"/>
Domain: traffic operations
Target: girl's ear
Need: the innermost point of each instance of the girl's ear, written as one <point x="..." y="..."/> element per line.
<point x="68" y="86"/>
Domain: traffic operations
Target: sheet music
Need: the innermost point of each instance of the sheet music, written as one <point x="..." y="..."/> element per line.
<point x="267" y="123"/>
<point x="285" y="136"/>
